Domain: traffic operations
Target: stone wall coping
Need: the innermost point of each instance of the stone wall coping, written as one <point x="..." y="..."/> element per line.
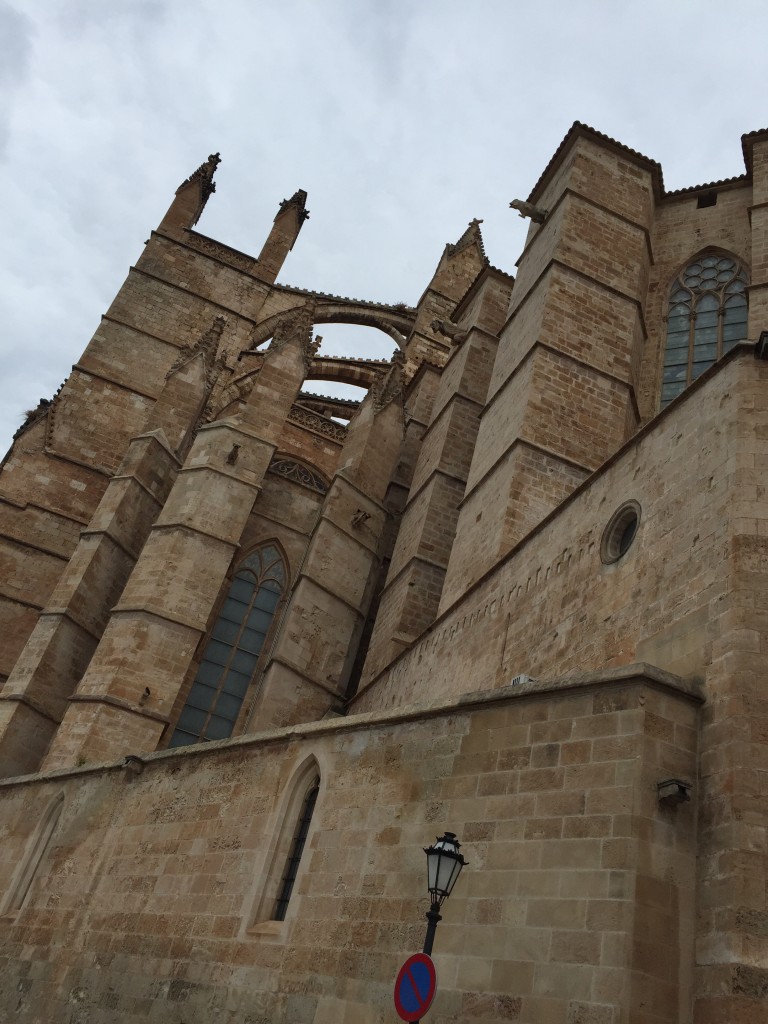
<point x="640" y="674"/>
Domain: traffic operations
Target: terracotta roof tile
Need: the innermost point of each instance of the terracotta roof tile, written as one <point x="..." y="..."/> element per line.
<point x="709" y="185"/>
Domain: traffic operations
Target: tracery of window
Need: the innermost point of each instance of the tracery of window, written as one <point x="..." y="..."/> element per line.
<point x="707" y="316"/>
<point x="233" y="649"/>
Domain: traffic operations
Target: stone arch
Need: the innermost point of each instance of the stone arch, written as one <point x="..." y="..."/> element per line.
<point x="699" y="254"/>
<point x="393" y="321"/>
<point x="300" y="471"/>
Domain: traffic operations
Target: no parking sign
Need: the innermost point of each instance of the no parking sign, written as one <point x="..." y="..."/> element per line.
<point x="415" y="987"/>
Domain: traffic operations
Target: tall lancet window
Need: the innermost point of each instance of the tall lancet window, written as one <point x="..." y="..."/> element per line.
<point x="707" y="316"/>
<point x="233" y="649"/>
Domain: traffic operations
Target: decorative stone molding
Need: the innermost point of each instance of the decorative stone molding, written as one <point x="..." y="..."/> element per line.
<point x="223" y="395"/>
<point x="299" y="201"/>
<point x="472" y="236"/>
<point x="204" y="175"/>
<point x="203" y="178"/>
<point x="232" y="257"/>
<point x="297" y="326"/>
<point x="208" y="345"/>
<point x="389" y="386"/>
<point x="299" y="473"/>
<point x="319" y="424"/>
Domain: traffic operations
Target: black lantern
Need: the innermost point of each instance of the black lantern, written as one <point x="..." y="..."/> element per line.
<point x="444" y="864"/>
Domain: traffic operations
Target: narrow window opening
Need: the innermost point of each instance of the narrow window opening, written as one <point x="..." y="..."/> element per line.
<point x="706" y="199"/>
<point x="30" y="863"/>
<point x="297" y="849"/>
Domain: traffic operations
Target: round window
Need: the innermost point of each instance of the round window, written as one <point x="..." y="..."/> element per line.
<point x="620" y="532"/>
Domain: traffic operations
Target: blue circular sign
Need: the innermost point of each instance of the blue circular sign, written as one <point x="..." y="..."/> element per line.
<point x="415" y="987"/>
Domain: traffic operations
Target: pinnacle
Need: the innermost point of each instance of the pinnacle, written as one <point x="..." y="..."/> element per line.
<point x="471" y="236"/>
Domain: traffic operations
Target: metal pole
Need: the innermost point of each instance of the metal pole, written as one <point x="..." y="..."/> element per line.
<point x="433" y="916"/>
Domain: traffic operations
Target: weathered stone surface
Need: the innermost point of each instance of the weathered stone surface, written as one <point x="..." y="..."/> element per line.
<point x="458" y="639"/>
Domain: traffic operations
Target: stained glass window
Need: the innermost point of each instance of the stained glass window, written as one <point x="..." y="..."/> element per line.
<point x="232" y="652"/>
<point x="707" y="316"/>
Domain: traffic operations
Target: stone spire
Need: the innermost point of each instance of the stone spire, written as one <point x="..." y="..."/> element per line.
<point x="298" y="201"/>
<point x="202" y="178"/>
<point x="290" y="217"/>
<point x="471" y="236"/>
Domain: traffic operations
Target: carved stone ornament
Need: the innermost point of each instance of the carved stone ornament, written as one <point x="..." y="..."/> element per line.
<point x="300" y="473"/>
<point x="297" y="326"/>
<point x="224" y="395"/>
<point x="204" y="175"/>
<point x="223" y="253"/>
<point x="318" y="424"/>
<point x="526" y="209"/>
<point x="299" y="201"/>
<point x="471" y="236"/>
<point x="389" y="385"/>
<point x="208" y="345"/>
<point x="456" y="334"/>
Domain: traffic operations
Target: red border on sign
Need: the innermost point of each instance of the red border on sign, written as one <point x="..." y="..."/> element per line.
<point x="415" y="1015"/>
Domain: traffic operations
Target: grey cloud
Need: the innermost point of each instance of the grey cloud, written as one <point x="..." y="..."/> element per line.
<point x="15" y="48"/>
<point x="402" y="120"/>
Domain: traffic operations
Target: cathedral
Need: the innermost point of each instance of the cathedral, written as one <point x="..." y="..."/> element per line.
<point x="260" y="646"/>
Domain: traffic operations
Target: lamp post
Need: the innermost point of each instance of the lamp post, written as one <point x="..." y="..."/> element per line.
<point x="444" y="864"/>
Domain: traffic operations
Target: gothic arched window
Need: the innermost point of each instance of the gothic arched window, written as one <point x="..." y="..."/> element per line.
<point x="298" y="842"/>
<point x="707" y="316"/>
<point x="229" y="660"/>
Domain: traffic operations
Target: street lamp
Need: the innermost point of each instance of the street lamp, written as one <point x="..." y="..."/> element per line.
<point x="444" y="864"/>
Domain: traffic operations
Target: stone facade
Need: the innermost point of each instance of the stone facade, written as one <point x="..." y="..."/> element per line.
<point x="456" y="635"/>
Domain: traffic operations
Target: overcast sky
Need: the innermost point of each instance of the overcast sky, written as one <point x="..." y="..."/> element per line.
<point x="402" y="119"/>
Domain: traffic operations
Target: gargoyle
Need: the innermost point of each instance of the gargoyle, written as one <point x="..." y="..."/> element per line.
<point x="525" y="209"/>
<point x="447" y="329"/>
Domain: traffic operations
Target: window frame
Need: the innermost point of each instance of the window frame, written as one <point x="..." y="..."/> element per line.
<point x="694" y="298"/>
<point x="292" y="864"/>
<point x="203" y="645"/>
<point x="268" y="883"/>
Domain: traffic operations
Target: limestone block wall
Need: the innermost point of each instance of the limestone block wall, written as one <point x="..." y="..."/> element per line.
<point x="688" y="597"/>
<point x="151" y="898"/>
<point x="553" y="606"/>
<point x="65" y="459"/>
<point x="562" y="396"/>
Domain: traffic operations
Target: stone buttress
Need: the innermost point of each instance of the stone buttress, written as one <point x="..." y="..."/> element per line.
<point x="414" y="584"/>
<point x="311" y="661"/>
<point x="562" y="394"/>
<point x="164" y="609"/>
